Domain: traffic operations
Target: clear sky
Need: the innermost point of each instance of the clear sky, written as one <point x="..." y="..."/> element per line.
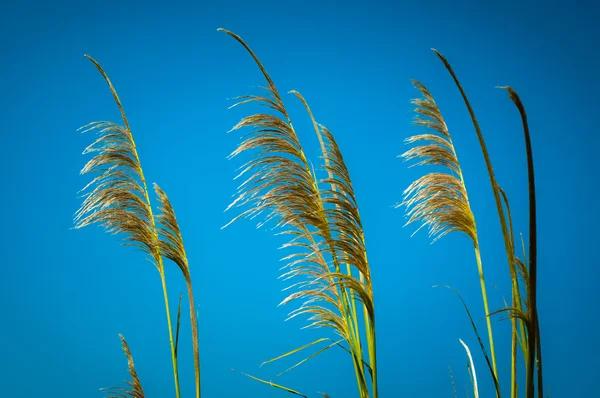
<point x="66" y="294"/>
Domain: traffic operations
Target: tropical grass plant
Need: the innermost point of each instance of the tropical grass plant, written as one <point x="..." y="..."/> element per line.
<point x="439" y="201"/>
<point x="118" y="199"/>
<point x="328" y="266"/>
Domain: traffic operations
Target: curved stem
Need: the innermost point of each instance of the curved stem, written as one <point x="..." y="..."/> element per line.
<point x="486" y="308"/>
<point x="194" y="323"/>
<point x="488" y="162"/>
<point x="533" y="339"/>
<point x="173" y="354"/>
<point x="156" y="253"/>
<point x="513" y="355"/>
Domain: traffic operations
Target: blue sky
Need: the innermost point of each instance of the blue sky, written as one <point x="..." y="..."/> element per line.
<point x="65" y="294"/>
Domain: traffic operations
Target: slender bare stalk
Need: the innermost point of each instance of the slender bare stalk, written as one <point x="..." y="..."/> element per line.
<point x="513" y="319"/>
<point x="539" y="358"/>
<point x="533" y="338"/>
<point x="487" y="310"/>
<point x="513" y="355"/>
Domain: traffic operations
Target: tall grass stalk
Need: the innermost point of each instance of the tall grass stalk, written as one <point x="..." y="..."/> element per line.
<point x="527" y="319"/>
<point x="118" y="199"/>
<point x="322" y="217"/>
<point x="117" y="186"/>
<point x="534" y="344"/>
<point x="508" y="242"/>
<point x="439" y="200"/>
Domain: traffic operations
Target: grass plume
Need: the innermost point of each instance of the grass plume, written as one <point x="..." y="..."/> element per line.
<point x="135" y="385"/>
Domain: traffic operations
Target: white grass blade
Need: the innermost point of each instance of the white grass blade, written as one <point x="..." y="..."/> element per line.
<point x="475" y="390"/>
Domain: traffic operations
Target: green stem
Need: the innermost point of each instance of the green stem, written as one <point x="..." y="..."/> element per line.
<point x="539" y="359"/>
<point x="349" y="306"/>
<point x="486" y="308"/>
<point x="194" y="323"/>
<point x="488" y="162"/>
<point x="173" y="354"/>
<point x="481" y="276"/>
<point x="373" y="357"/>
<point x="513" y="354"/>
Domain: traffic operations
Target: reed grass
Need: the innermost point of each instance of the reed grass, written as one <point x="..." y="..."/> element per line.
<point x="327" y="267"/>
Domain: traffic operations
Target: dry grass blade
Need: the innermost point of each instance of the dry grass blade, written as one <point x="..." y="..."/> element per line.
<point x="171" y="244"/>
<point x="136" y="390"/>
